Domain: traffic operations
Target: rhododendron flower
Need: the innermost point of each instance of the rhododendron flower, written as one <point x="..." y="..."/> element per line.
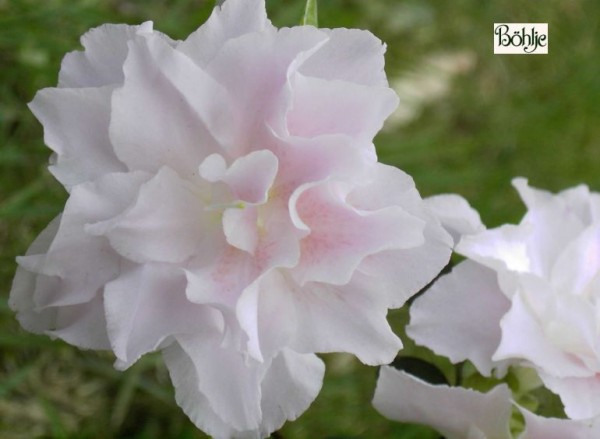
<point x="529" y="295"/>
<point x="226" y="207"/>
<point x="460" y="413"/>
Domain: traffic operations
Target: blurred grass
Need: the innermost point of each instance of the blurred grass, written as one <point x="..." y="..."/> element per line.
<point x="534" y="116"/>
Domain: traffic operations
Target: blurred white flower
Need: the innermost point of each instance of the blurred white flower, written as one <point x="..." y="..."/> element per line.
<point x="455" y="412"/>
<point x="460" y="413"/>
<point x="227" y="207"/>
<point x="529" y="294"/>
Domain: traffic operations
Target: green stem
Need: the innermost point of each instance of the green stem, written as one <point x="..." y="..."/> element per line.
<point x="311" y="17"/>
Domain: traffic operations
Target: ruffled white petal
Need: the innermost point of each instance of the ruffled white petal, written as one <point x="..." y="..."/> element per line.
<point x="455" y="412"/>
<point x="160" y="117"/>
<point x="193" y="402"/>
<point x="570" y="323"/>
<point x="399" y="273"/>
<point x="251" y="176"/>
<point x="386" y="185"/>
<point x="102" y="61"/>
<point x="74" y="280"/>
<point x="320" y="107"/>
<point x="579" y="263"/>
<point x="82" y="325"/>
<point x="575" y="200"/>
<point x="343" y="319"/>
<point x="552" y="227"/>
<point x="267" y="315"/>
<point x="261" y="63"/>
<point x="341" y="236"/>
<point x="145" y="305"/>
<point x="230" y="382"/>
<point x="349" y="55"/>
<point x="310" y="160"/>
<point x="594" y="206"/>
<point x="76" y="129"/>
<point x="221" y="281"/>
<point x="524" y="338"/>
<point x="538" y="427"/>
<point x="240" y="228"/>
<point x="455" y="214"/>
<point x="232" y="20"/>
<point x="21" y="298"/>
<point x="167" y="222"/>
<point x="459" y="316"/>
<point x="503" y="248"/>
<point x="532" y="197"/>
<point x="290" y="385"/>
<point x="579" y="395"/>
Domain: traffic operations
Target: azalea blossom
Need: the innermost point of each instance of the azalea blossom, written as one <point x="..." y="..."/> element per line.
<point x="460" y="413"/>
<point x="226" y="207"/>
<point x="528" y="295"/>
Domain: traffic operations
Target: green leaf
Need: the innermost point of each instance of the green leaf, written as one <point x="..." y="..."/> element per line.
<point x="52" y="414"/>
<point x="125" y="397"/>
<point x="311" y="17"/>
<point x="13" y="380"/>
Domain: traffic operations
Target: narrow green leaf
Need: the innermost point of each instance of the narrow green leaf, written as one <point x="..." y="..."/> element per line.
<point x="124" y="398"/>
<point x="18" y="200"/>
<point x="156" y="391"/>
<point x="56" y="424"/>
<point x="13" y="380"/>
<point x="311" y="17"/>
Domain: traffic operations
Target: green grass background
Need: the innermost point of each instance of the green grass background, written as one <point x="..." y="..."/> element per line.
<point x="532" y="116"/>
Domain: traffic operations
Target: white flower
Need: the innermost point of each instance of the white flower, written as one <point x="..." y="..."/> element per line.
<point x="460" y="413"/>
<point x="455" y="412"/>
<point x="529" y="294"/>
<point x="226" y="207"/>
